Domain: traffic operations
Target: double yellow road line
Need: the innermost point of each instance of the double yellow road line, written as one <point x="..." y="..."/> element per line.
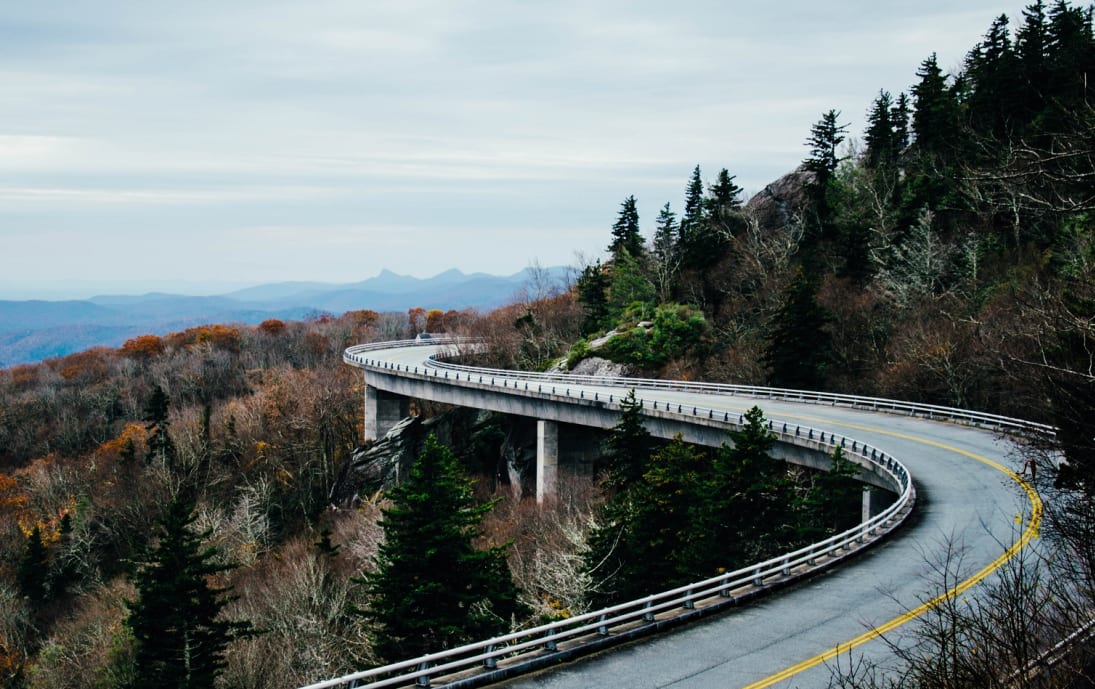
<point x="1030" y="532"/>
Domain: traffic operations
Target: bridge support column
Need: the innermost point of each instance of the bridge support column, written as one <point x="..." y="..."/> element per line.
<point x="383" y="410"/>
<point x="547" y="459"/>
<point x="874" y="501"/>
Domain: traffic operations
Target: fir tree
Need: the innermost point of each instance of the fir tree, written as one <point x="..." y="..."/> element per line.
<point x="432" y="589"/>
<point x="666" y="253"/>
<point x="625" y="231"/>
<point x="648" y="538"/>
<point x="833" y="502"/>
<point x="1032" y="51"/>
<point x="880" y="137"/>
<point x="33" y="572"/>
<point x="990" y="72"/>
<point x="693" y="218"/>
<point x="724" y="197"/>
<point x="631" y="289"/>
<point x="900" y="119"/>
<point x="798" y="349"/>
<point x="752" y="503"/>
<point x="934" y="120"/>
<point x="160" y="446"/>
<point x="593" y="296"/>
<point x="824" y="143"/>
<point x="176" y="619"/>
<point x="629" y="446"/>
<point x="720" y="221"/>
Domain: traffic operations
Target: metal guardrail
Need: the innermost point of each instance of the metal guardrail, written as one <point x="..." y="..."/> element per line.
<point x="529" y="649"/>
<point x="930" y="411"/>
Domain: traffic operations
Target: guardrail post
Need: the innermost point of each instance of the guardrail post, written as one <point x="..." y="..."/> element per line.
<point x="758" y="580"/>
<point x="724" y="590"/>
<point x="689" y="604"/>
<point x="422" y="680"/>
<point x="603" y="628"/>
<point x="549" y="643"/>
<point x="490" y="662"/>
<point x="648" y="616"/>
<point x="786" y="570"/>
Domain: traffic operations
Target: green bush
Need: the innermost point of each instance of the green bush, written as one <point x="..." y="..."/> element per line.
<point x="579" y="351"/>
<point x="675" y="329"/>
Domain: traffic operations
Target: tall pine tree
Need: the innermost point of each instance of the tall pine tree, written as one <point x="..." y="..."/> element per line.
<point x="798" y="346"/>
<point x="666" y="253"/>
<point x="692" y="220"/>
<point x="160" y="447"/>
<point x="752" y="496"/>
<point x="625" y="231"/>
<point x="180" y="634"/>
<point x="824" y="143"/>
<point x="935" y="118"/>
<point x="432" y="588"/>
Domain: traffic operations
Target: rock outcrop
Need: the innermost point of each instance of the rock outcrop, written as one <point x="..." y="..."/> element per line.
<point x="782" y="202"/>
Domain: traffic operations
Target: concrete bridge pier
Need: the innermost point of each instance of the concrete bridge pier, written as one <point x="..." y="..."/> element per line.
<point x="383" y="410"/>
<point x="875" y="500"/>
<point x="547" y="460"/>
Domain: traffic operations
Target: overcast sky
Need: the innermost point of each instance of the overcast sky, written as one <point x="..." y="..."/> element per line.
<point x="197" y="145"/>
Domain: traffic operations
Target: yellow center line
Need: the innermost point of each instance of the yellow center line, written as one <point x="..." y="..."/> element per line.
<point x="1029" y="533"/>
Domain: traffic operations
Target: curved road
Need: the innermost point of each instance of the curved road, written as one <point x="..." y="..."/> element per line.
<point x="968" y="499"/>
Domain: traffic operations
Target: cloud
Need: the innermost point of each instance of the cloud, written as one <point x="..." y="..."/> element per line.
<point x="416" y="123"/>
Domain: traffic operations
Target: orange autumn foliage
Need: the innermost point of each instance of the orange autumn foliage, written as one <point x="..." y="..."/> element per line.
<point x="12" y="497"/>
<point x="435" y="320"/>
<point x="362" y="317"/>
<point x="219" y="336"/>
<point x="134" y="435"/>
<point x="86" y="367"/>
<point x="142" y="347"/>
<point x="272" y="326"/>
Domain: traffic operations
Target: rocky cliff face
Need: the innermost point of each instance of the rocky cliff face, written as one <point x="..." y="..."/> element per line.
<point x="780" y="203"/>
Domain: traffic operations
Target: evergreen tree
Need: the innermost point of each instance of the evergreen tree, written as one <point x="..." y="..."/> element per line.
<point x="176" y="619"/>
<point x="720" y="222"/>
<point x="833" y="502"/>
<point x="648" y="537"/>
<point x="935" y="120"/>
<point x="990" y="73"/>
<point x="665" y="252"/>
<point x="692" y="220"/>
<point x="33" y="572"/>
<point x="825" y="139"/>
<point x="160" y="446"/>
<point x="752" y="495"/>
<point x="625" y="231"/>
<point x="629" y="446"/>
<point x="824" y="142"/>
<point x="900" y="119"/>
<point x="432" y="589"/>
<point x="798" y="348"/>
<point x="1031" y="48"/>
<point x="631" y="289"/>
<point x="724" y="197"/>
<point x="1070" y="49"/>
<point x="880" y="136"/>
<point x="593" y="295"/>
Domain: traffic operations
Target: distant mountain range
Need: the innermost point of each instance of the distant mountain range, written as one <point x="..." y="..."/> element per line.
<point x="34" y="330"/>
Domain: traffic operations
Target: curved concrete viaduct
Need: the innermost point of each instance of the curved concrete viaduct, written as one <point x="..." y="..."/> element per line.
<point x="968" y="500"/>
